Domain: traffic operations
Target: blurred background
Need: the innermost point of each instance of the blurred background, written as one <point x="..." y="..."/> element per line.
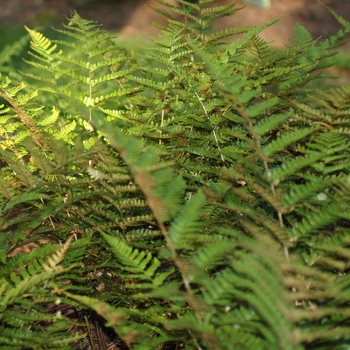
<point x="133" y="17"/>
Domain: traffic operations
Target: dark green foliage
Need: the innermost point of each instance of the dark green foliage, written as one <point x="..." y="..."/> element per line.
<point x="196" y="195"/>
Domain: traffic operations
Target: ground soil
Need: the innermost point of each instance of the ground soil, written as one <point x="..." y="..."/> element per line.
<point x="132" y="17"/>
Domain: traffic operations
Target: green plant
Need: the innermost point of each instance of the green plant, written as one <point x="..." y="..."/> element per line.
<point x="206" y="185"/>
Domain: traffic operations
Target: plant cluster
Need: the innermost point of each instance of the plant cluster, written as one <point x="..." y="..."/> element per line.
<point x="195" y="195"/>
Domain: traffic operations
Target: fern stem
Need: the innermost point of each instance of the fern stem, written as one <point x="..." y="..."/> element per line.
<point x="177" y="261"/>
<point x="184" y="277"/>
<point x="89" y="332"/>
<point x="250" y="129"/>
<point x="213" y="131"/>
<point x="25" y="118"/>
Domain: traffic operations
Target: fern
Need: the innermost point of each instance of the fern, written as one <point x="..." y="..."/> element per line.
<point x="29" y="289"/>
<point x="201" y="187"/>
<point x="9" y="52"/>
<point x="85" y="80"/>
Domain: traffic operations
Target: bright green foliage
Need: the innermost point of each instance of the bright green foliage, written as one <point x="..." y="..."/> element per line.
<point x="202" y="188"/>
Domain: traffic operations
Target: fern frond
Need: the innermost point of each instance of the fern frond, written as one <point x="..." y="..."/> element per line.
<point x="290" y="167"/>
<point x="41" y="44"/>
<point x="10" y="51"/>
<point x="267" y="124"/>
<point x="142" y="266"/>
<point x="302" y="36"/>
<point x="186" y="223"/>
<point x="286" y="139"/>
<point x="314" y="221"/>
<point x="216" y="174"/>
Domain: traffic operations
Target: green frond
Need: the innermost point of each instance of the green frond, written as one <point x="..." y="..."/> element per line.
<point x="51" y="118"/>
<point x="6" y="190"/>
<point x="102" y="99"/>
<point x="12" y="50"/>
<point x="12" y="90"/>
<point x="58" y="256"/>
<point x="24" y="198"/>
<point x="157" y="85"/>
<point x="47" y="80"/>
<point x="25" y="284"/>
<point x="22" y="173"/>
<point x="41" y="44"/>
<point x="286" y="139"/>
<point x="210" y="256"/>
<point x="187" y="222"/>
<point x="80" y="34"/>
<point x="302" y="36"/>
<point x="299" y="193"/>
<point x="314" y="222"/>
<point x="290" y="167"/>
<point x="174" y="9"/>
<point x="264" y="126"/>
<point x="201" y="189"/>
<point x="116" y="114"/>
<point x="78" y="22"/>
<point x="257" y="109"/>
<point x="213" y="37"/>
<point x="65" y="130"/>
<point x="143" y="266"/>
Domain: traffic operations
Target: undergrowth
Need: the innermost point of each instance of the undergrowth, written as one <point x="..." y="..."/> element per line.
<point x="191" y="195"/>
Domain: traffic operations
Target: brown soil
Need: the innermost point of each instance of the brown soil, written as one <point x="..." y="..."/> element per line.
<point x="133" y="17"/>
